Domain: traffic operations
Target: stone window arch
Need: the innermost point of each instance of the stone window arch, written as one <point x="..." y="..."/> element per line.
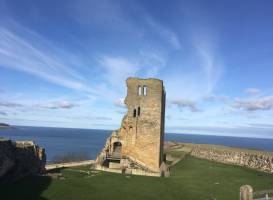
<point x="134" y="114"/>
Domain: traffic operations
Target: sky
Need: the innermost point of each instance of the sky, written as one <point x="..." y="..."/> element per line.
<point x="65" y="63"/>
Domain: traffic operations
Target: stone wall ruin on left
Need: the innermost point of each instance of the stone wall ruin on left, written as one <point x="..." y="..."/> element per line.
<point x="20" y="158"/>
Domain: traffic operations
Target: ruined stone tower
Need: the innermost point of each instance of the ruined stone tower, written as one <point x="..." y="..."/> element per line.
<point x="137" y="146"/>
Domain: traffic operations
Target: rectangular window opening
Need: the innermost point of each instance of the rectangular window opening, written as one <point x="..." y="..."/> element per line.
<point x="139" y="90"/>
<point x="138" y="111"/>
<point x="145" y="90"/>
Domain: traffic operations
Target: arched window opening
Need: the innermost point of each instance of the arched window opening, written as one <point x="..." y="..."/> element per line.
<point x="145" y="90"/>
<point x="134" y="115"/>
<point x="139" y="90"/>
<point x="138" y="111"/>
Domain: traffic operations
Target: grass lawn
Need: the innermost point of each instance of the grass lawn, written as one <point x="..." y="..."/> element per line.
<point x="191" y="179"/>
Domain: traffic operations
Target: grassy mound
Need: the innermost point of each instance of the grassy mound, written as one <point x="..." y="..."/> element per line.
<point x="191" y="179"/>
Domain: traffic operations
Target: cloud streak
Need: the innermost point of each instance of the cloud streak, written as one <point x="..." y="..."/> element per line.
<point x="249" y="131"/>
<point x="262" y="103"/>
<point x="3" y="113"/>
<point x="31" y="53"/>
<point x="185" y="103"/>
<point x="117" y="69"/>
<point x="99" y="118"/>
<point x="47" y="105"/>
<point x="57" y="105"/>
<point x="10" y="104"/>
<point x="212" y="97"/>
<point x="165" y="33"/>
<point x="120" y="103"/>
<point x="252" y="91"/>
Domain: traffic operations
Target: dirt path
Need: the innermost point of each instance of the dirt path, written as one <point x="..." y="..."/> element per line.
<point x="69" y="164"/>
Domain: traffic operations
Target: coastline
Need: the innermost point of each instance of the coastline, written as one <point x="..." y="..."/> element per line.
<point x="58" y="141"/>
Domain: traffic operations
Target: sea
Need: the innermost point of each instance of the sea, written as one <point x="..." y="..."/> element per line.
<point x="62" y="141"/>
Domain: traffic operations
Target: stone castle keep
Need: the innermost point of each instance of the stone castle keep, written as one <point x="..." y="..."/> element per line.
<point x="137" y="146"/>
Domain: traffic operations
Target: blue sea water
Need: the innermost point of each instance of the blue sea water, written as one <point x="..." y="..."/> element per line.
<point x="60" y="141"/>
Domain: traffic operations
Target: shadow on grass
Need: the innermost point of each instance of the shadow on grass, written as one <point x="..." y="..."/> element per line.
<point x="30" y="187"/>
<point x="56" y="170"/>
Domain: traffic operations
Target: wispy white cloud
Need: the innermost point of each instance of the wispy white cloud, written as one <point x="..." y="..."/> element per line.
<point x="104" y="13"/>
<point x="209" y="61"/>
<point x="237" y="131"/>
<point x="185" y="103"/>
<point x="252" y="91"/>
<point x="260" y="125"/>
<point x="29" y="52"/>
<point x="120" y="103"/>
<point x="165" y="33"/>
<point x="3" y="113"/>
<point x="117" y="69"/>
<point x="99" y="118"/>
<point x="10" y="104"/>
<point x="262" y="103"/>
<point x="152" y="61"/>
<point x="57" y="105"/>
<point x="213" y="97"/>
<point x="60" y="104"/>
<point x="200" y="79"/>
<point x="121" y="112"/>
<point x="186" y="82"/>
<point x="116" y="16"/>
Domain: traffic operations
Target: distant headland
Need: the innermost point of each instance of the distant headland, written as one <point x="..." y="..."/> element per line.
<point x="4" y="125"/>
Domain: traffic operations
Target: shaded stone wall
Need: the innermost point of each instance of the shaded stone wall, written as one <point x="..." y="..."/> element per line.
<point x="20" y="158"/>
<point x="258" y="160"/>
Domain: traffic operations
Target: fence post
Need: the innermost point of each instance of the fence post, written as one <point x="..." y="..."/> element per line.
<point x="246" y="192"/>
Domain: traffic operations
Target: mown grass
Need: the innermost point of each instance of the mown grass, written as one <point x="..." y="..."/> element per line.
<point x="191" y="179"/>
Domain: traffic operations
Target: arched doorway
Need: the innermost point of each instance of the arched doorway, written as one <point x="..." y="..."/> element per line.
<point x="117" y="149"/>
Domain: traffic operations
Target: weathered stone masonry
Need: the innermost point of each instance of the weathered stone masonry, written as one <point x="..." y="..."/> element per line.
<point x="258" y="160"/>
<point x="20" y="158"/>
<point x="137" y="146"/>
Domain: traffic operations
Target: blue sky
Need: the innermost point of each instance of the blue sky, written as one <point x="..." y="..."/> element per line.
<point x="64" y="63"/>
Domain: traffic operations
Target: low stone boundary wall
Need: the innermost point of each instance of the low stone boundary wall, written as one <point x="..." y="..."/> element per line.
<point x="258" y="160"/>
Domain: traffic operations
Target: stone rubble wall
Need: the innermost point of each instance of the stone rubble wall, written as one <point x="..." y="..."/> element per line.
<point x="20" y="158"/>
<point x="258" y="160"/>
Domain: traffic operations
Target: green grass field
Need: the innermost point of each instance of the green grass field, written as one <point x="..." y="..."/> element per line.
<point x="191" y="179"/>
